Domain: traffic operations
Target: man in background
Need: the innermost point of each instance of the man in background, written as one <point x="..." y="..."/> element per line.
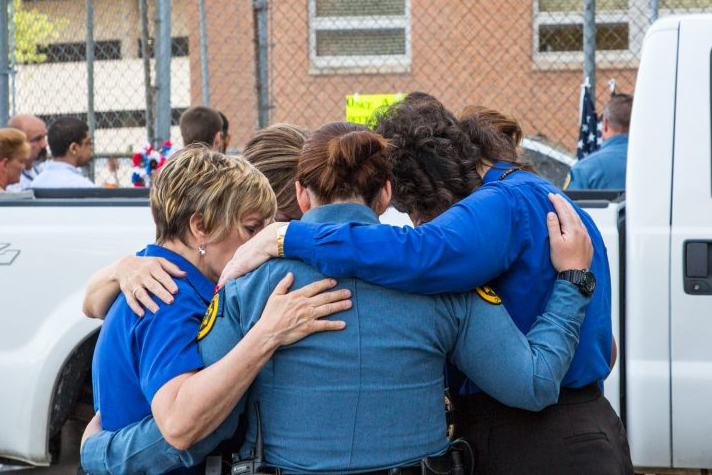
<point x="605" y="168"/>
<point x="71" y="147"/>
<point x="36" y="132"/>
<point x="202" y="125"/>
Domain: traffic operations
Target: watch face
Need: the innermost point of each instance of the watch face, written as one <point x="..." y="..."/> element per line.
<point x="589" y="282"/>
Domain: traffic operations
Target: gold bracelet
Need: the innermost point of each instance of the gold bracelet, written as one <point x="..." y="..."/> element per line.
<point x="280" y="245"/>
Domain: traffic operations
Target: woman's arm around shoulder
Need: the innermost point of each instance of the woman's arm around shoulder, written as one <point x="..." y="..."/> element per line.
<point x="468" y="245"/>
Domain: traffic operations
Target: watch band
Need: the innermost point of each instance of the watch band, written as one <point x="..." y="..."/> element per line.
<point x="583" y="279"/>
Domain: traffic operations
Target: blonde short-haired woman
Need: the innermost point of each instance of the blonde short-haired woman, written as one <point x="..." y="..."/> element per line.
<point x="205" y="205"/>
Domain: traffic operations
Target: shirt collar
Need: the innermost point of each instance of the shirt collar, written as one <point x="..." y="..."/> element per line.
<point x="55" y="165"/>
<point x="195" y="278"/>
<point x="496" y="171"/>
<point x="341" y="213"/>
<point x="619" y="139"/>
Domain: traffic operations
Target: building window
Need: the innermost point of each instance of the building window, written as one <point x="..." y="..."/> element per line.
<point x="179" y="47"/>
<point x="359" y="36"/>
<point x="71" y="52"/>
<point x="620" y="29"/>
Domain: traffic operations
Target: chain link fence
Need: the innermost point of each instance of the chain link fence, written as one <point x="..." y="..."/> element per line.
<point x="262" y="62"/>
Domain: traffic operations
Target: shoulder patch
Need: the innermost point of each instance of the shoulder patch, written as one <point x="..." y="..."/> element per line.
<point x="210" y="315"/>
<point x="488" y="294"/>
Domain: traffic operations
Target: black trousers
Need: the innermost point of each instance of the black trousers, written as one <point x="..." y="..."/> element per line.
<point x="579" y="435"/>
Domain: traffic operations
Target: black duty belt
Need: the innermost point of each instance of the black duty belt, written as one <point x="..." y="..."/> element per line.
<point x="411" y="470"/>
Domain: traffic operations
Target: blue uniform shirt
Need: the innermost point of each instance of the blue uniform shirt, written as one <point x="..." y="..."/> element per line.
<point x="135" y="356"/>
<point x="497" y="235"/>
<point x="370" y="396"/>
<point x="603" y="169"/>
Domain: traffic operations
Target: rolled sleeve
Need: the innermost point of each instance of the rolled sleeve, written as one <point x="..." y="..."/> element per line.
<point x="521" y="371"/>
<point x="141" y="448"/>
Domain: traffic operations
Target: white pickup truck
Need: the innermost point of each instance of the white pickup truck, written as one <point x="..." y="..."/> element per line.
<point x="659" y="242"/>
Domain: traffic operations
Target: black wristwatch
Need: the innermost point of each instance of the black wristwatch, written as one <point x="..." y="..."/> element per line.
<point x="583" y="279"/>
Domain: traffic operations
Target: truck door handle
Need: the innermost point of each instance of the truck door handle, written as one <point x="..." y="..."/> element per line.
<point x="698" y="268"/>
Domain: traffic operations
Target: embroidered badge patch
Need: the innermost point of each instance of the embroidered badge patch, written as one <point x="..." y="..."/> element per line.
<point x="488" y="295"/>
<point x="209" y="319"/>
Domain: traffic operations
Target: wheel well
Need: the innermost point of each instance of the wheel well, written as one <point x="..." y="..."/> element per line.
<point x="72" y="395"/>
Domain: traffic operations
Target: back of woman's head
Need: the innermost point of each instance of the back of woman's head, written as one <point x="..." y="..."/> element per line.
<point x="496" y="134"/>
<point x="435" y="164"/>
<point x="275" y="151"/>
<point x="222" y="189"/>
<point x="344" y="160"/>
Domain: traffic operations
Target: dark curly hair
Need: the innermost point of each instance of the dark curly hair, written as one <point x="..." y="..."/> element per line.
<point x="435" y="164"/>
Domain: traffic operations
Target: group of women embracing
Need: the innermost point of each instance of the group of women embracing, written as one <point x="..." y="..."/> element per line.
<point x="330" y="340"/>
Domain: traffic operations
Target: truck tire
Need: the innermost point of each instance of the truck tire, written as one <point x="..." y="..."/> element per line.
<point x="72" y="393"/>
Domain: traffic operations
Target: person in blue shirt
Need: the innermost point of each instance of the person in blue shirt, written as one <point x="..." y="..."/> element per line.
<point x="605" y="168"/>
<point x="370" y="397"/>
<point x="150" y="365"/>
<point x="492" y="231"/>
<point x="71" y="147"/>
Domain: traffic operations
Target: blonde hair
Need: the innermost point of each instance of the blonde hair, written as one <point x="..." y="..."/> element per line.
<point x="275" y="151"/>
<point x="223" y="189"/>
<point x="13" y="143"/>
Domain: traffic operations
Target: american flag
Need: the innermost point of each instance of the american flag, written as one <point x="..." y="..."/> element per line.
<point x="590" y="128"/>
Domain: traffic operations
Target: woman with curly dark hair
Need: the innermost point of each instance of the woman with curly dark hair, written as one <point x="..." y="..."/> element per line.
<point x="492" y="230"/>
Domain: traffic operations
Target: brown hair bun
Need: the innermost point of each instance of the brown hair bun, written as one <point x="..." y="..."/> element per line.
<point x="344" y="160"/>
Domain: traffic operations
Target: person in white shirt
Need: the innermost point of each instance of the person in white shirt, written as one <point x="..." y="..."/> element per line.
<point x="71" y="147"/>
<point x="36" y="132"/>
<point x="14" y="151"/>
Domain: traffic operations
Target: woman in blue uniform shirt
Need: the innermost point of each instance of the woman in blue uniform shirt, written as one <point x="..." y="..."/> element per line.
<point x="150" y="366"/>
<point x="485" y="223"/>
<point x="370" y="397"/>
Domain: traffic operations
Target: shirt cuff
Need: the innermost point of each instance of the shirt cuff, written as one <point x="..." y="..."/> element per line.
<point x="297" y="240"/>
<point x="93" y="453"/>
<point x="567" y="301"/>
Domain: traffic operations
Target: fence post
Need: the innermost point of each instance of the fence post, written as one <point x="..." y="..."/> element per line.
<point x="13" y="61"/>
<point x="145" y="55"/>
<point x="4" y="67"/>
<point x="260" y="12"/>
<point x="163" y="71"/>
<point x="589" y="44"/>
<point x="91" y="118"/>
<point x="654" y="9"/>
<point x="204" y="55"/>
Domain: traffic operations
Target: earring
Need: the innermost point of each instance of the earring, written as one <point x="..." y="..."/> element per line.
<point x="201" y="249"/>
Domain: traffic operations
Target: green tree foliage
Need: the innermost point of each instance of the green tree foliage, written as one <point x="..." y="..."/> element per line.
<point x="33" y="32"/>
